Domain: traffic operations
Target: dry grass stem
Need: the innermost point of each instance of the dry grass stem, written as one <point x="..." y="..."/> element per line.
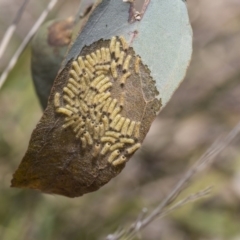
<point x="26" y="40"/>
<point x="11" y="29"/>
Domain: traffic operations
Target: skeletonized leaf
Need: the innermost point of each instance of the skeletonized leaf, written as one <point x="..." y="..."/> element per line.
<point x="105" y="98"/>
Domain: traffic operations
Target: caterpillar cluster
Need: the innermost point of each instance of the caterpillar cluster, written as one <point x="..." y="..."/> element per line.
<point x="90" y="110"/>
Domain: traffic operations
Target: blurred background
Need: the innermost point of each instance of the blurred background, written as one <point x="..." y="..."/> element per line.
<point x="206" y="106"/>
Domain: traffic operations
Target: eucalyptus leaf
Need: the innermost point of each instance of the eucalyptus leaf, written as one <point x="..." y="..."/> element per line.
<point x="119" y="70"/>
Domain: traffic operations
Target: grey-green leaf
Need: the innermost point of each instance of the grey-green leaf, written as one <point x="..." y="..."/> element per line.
<point x="107" y="87"/>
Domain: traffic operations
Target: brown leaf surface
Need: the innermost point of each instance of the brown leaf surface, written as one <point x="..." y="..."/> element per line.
<point x="99" y="111"/>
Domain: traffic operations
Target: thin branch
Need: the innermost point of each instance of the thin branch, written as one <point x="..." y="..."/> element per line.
<point x="11" y="29"/>
<point x="191" y="198"/>
<point x="205" y="160"/>
<point x="26" y="40"/>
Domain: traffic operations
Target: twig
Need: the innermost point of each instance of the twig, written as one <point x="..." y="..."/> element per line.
<point x="191" y="198"/>
<point x="204" y="161"/>
<point x="26" y="40"/>
<point x="11" y="29"/>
